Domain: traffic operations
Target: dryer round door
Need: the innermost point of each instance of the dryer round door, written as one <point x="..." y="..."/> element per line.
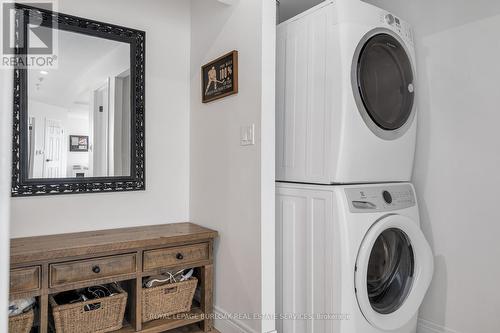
<point x="383" y="83"/>
<point x="394" y="268"/>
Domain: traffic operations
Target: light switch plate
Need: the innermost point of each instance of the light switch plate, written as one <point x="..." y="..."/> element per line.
<point x="247" y="135"/>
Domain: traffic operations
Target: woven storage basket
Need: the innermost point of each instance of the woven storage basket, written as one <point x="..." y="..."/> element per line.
<point x="72" y="318"/>
<point x="167" y="300"/>
<point x="21" y="323"/>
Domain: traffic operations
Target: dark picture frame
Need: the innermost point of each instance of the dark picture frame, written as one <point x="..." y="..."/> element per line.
<point x="219" y="78"/>
<point x="22" y="185"/>
<point x="78" y="143"/>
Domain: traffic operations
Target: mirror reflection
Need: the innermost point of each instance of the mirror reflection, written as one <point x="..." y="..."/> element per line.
<point x="79" y="114"/>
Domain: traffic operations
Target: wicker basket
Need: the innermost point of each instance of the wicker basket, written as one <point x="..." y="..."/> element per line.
<point x="21" y="323"/>
<point x="72" y="318"/>
<point x="167" y="300"/>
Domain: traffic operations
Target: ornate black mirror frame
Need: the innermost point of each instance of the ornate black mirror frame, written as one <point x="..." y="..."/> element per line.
<point x="22" y="185"/>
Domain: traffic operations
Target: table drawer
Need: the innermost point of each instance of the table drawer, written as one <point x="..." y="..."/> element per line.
<point x="25" y="279"/>
<point x="175" y="256"/>
<point x="91" y="269"/>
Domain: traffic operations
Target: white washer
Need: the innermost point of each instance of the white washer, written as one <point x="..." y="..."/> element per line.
<point x="351" y="259"/>
<point x="345" y="95"/>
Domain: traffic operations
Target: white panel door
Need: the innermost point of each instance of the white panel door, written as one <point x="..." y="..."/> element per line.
<point x="53" y="166"/>
<point x="304" y="230"/>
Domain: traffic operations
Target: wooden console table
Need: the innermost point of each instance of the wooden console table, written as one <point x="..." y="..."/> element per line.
<point x="45" y="265"/>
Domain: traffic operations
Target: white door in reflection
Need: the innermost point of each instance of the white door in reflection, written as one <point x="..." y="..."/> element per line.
<point x="53" y="149"/>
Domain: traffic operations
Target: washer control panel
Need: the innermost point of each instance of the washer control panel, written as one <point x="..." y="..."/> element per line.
<point x="380" y="199"/>
<point x="399" y="26"/>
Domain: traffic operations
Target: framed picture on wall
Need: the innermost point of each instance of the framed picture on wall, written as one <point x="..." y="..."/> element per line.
<point x="78" y="143"/>
<point x="220" y="77"/>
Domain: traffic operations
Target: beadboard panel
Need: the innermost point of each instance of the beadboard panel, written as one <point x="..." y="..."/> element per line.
<point x="303" y="220"/>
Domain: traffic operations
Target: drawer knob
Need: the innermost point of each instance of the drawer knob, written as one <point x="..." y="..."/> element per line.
<point x="179" y="256"/>
<point x="96" y="269"/>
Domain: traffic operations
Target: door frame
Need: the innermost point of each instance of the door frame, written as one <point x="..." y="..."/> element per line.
<point x="104" y="137"/>
<point x="5" y="186"/>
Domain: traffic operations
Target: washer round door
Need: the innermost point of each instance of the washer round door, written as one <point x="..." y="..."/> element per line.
<point x="383" y="83"/>
<point x="393" y="270"/>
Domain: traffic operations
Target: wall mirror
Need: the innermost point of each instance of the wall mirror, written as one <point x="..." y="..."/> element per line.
<point x="78" y="124"/>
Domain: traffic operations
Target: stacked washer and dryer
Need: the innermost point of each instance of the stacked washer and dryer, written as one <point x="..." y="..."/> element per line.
<point x="351" y="255"/>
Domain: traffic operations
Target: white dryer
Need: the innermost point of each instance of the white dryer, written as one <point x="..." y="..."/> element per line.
<point x="345" y="109"/>
<point x="351" y="259"/>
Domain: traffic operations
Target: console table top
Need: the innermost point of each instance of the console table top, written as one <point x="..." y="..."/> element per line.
<point x="39" y="248"/>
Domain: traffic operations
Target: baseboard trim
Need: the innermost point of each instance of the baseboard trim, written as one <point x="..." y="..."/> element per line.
<point x="426" y="326"/>
<point x="230" y="324"/>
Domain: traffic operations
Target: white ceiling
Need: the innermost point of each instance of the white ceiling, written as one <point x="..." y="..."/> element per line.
<point x="289" y="8"/>
<point x="77" y="54"/>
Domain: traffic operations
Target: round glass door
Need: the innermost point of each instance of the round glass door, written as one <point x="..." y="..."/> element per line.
<point x="383" y="82"/>
<point x="393" y="271"/>
<point x="390" y="271"/>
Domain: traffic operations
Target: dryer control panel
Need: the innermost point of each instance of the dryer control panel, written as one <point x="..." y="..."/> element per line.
<point x="401" y="27"/>
<point x="380" y="199"/>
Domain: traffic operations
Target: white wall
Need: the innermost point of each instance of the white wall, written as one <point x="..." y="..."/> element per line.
<point x="166" y="199"/>
<point x="232" y="187"/>
<point x="5" y="167"/>
<point x="78" y="124"/>
<point x="458" y="158"/>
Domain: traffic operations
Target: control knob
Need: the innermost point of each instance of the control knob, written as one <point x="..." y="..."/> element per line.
<point x="387" y="197"/>
<point x="389" y="18"/>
